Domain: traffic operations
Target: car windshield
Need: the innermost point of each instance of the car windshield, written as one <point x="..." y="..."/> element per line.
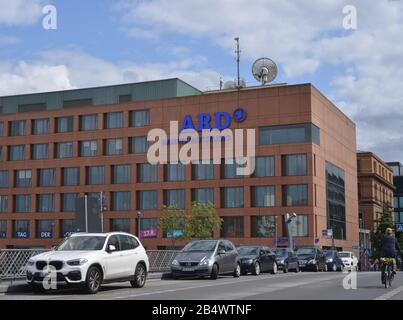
<point x="82" y="243"/>
<point x="329" y="253"/>
<point x="344" y="254"/>
<point x="248" y="251"/>
<point x="280" y="252"/>
<point x="200" y="246"/>
<point x="302" y="251"/>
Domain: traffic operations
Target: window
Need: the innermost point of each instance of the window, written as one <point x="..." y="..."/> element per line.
<point x="175" y="197"/>
<point x="294" y="165"/>
<point x="77" y="103"/>
<point x="64" y="150"/>
<point x="69" y="202"/>
<point x="147" y="200"/>
<point x="89" y="122"/>
<point x="64" y="124"/>
<point x="114" y="147"/>
<point x="3" y="229"/>
<point x="3" y="179"/>
<point x="147" y="172"/>
<point x="263" y="226"/>
<point x="232" y="227"/>
<point x="88" y="148"/>
<point x="40" y="126"/>
<point x="264" y="167"/>
<point x="1" y="128"/>
<point x="3" y="204"/>
<point x="1" y="153"/>
<point x="148" y="228"/>
<point x="229" y="170"/>
<point x="32" y="107"/>
<point x="203" y="171"/>
<point x="95" y="175"/>
<point x="400" y="202"/>
<point x="121" y="174"/>
<point x="47" y="177"/>
<point x="114" y="120"/>
<point x="125" y="98"/>
<point x="232" y="197"/>
<point x="295" y="195"/>
<point x="121" y="201"/>
<point x="299" y="226"/>
<point x="21" y="229"/>
<point x="16" y="153"/>
<point x="23" y="178"/>
<point x="40" y="151"/>
<point x="71" y="176"/>
<point x="175" y="172"/>
<point x="120" y="225"/>
<point x="18" y="128"/>
<point x="295" y="133"/>
<point x="68" y="227"/>
<point x="138" y="145"/>
<point x="140" y="118"/>
<point x="203" y="195"/>
<point x="46" y="203"/>
<point x="44" y="229"/>
<point x="263" y="196"/>
<point x="128" y="243"/>
<point x="22" y="203"/>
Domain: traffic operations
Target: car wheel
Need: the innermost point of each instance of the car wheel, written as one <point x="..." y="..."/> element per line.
<point x="214" y="272"/>
<point x="140" y="276"/>
<point x="316" y="268"/>
<point x="93" y="280"/>
<point x="256" y="269"/>
<point x="275" y="269"/>
<point x="325" y="268"/>
<point x="334" y="267"/>
<point x="285" y="269"/>
<point x="237" y="271"/>
<point x="297" y="269"/>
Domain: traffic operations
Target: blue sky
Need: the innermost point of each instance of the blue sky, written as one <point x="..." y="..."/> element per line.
<point x="114" y="41"/>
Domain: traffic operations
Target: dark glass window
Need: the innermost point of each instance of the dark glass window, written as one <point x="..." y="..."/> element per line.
<point x="175" y="172"/>
<point x="203" y="195"/>
<point x="263" y="226"/>
<point x="138" y="145"/>
<point x="1" y="128"/>
<point x="95" y="175"/>
<point x="40" y="126"/>
<point x="88" y="148"/>
<point x="23" y="178"/>
<point x="114" y="120"/>
<point x="147" y="200"/>
<point x="114" y="147"/>
<point x="120" y="225"/>
<point x="16" y="153"/>
<point x="264" y="167"/>
<point x="69" y="202"/>
<point x="64" y="150"/>
<point x="295" y="133"/>
<point x="68" y="227"/>
<point x="47" y="177"/>
<point x="148" y="228"/>
<point x="140" y="118"/>
<point x="18" y="128"/>
<point x="232" y="227"/>
<point x="3" y="204"/>
<point x="77" y="103"/>
<point x="64" y="124"/>
<point x="175" y="197"/>
<point x="32" y="107"/>
<point x="335" y="201"/>
<point x="71" y="176"/>
<point x="295" y="195"/>
<point x="203" y="171"/>
<point x="89" y="122"/>
<point x="46" y="203"/>
<point x="121" y="174"/>
<point x="4" y="179"/>
<point x="40" y="151"/>
<point x="263" y="196"/>
<point x="147" y="172"/>
<point x="22" y="203"/>
<point x="294" y="165"/>
<point x="44" y="229"/>
<point x="3" y="229"/>
<point x="232" y="197"/>
<point x="21" y="229"/>
<point x="230" y="170"/>
<point x="121" y="201"/>
<point x="125" y="98"/>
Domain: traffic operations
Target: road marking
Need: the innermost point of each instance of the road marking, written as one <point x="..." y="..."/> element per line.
<point x="390" y="294"/>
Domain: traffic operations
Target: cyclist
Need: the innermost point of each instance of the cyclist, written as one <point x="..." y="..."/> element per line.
<point x="390" y="248"/>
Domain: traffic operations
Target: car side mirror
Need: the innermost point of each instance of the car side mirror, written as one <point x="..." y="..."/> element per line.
<point x="221" y="252"/>
<point x="111" y="248"/>
<point x="262" y="253"/>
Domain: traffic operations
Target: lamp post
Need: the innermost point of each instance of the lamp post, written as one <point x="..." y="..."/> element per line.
<point x="138" y="223"/>
<point x="288" y="219"/>
<point x="275" y="230"/>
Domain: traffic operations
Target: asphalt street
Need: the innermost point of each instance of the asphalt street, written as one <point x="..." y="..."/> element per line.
<point x="291" y="286"/>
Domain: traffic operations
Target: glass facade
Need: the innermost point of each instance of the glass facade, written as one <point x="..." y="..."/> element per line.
<point x="64" y="124"/>
<point x="88" y="148"/>
<point x="95" y="175"/>
<point x="138" y="145"/>
<point x="148" y="228"/>
<point x="232" y="197"/>
<point x="47" y="177"/>
<point x="147" y="200"/>
<point x="114" y="147"/>
<point x="46" y="202"/>
<point x="140" y="118"/>
<point x="71" y="176"/>
<point x="335" y="201"/>
<point x="3" y="179"/>
<point x="69" y="202"/>
<point x="114" y="120"/>
<point x="40" y="126"/>
<point x="203" y="195"/>
<point x="23" y="178"/>
<point x="263" y="196"/>
<point x="89" y="122"/>
<point x="264" y="167"/>
<point x="296" y="133"/>
<point x="121" y="201"/>
<point x="64" y="150"/>
<point x="22" y="203"/>
<point x="263" y="226"/>
<point x="44" y="229"/>
<point x="68" y="227"/>
<point x="21" y="229"/>
<point x="175" y="197"/>
<point x="40" y="151"/>
<point x="295" y="195"/>
<point x="120" y="225"/>
<point x="16" y="153"/>
<point x="121" y="174"/>
<point x="147" y="172"/>
<point x="3" y="204"/>
<point x="203" y="171"/>
<point x="232" y="227"/>
<point x="18" y="128"/>
<point x="174" y="172"/>
<point x="229" y="170"/>
<point x="294" y="165"/>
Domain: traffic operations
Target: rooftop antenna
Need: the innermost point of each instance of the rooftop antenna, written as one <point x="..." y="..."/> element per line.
<point x="264" y="70"/>
<point x="238" y="60"/>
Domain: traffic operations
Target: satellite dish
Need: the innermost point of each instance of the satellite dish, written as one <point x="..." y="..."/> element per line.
<point x="264" y="70"/>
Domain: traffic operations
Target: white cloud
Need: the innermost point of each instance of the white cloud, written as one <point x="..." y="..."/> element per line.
<point x="20" y="12"/>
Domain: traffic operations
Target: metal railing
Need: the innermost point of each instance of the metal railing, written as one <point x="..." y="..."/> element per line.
<point x="13" y="261"/>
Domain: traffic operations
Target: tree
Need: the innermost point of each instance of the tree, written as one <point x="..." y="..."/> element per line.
<point x="202" y="221"/>
<point x="172" y="223"/>
<point x="385" y="221"/>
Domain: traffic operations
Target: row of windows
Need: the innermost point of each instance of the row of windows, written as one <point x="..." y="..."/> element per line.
<point x="231" y="197"/>
<point x="398" y="202"/>
<point x="112" y="120"/>
<point x="232" y="227"/>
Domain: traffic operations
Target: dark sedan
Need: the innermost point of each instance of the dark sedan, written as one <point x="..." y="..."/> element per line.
<point x="333" y="261"/>
<point x="257" y="259"/>
<point x="311" y="258"/>
<point x="286" y="259"/>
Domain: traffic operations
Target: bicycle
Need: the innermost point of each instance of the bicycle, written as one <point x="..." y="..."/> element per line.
<point x="387" y="271"/>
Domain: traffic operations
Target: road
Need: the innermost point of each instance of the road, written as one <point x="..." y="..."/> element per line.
<point x="291" y="286"/>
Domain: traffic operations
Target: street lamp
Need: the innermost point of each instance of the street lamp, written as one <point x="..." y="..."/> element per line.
<point x="288" y="219"/>
<point x="138" y="223"/>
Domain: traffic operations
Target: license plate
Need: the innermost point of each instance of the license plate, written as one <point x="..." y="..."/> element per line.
<point x="187" y="269"/>
<point x="302" y="264"/>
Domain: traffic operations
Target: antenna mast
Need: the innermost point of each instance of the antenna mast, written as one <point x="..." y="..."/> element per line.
<point x="238" y="60"/>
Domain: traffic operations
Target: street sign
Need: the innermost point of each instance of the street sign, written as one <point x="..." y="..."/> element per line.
<point x="367" y="253"/>
<point x="327" y="233"/>
<point x="317" y="240"/>
<point x="282" y="240"/>
<point x="399" y="227"/>
<point x="356" y="248"/>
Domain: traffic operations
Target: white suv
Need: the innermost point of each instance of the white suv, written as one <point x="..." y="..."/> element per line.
<point x="350" y="261"/>
<point x="89" y="260"/>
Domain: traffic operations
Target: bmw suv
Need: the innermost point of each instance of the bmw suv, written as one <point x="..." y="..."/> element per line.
<point x="90" y="260"/>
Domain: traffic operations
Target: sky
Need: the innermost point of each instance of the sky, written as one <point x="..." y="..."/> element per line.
<point x="102" y="42"/>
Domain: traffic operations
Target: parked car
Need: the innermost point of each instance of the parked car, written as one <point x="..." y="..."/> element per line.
<point x="207" y="258"/>
<point x="350" y="261"/>
<point x="257" y="259"/>
<point x="333" y="260"/>
<point x="311" y="258"/>
<point x="90" y="260"/>
<point x="286" y="259"/>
